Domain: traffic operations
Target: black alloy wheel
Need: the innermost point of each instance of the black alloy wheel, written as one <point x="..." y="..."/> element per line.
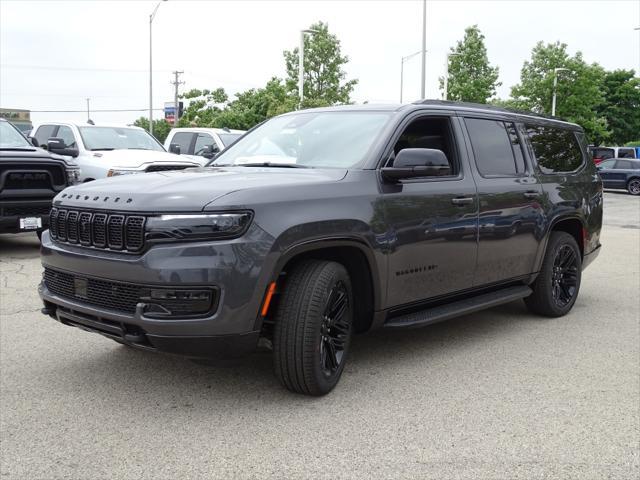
<point x="335" y="329"/>
<point x="564" y="278"/>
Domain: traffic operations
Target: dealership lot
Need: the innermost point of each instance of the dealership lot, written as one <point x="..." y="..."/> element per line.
<point x="496" y="394"/>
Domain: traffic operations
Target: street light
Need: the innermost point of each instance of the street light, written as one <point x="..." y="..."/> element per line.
<point x="151" y="17"/>
<point x="301" y="63"/>
<point x="402" y="60"/>
<point x="555" y="88"/>
<point x="446" y="74"/>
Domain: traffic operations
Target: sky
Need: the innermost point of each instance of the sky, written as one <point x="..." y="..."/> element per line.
<point x="55" y="54"/>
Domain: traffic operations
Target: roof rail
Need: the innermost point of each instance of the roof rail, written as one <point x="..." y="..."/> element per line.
<point x="489" y="107"/>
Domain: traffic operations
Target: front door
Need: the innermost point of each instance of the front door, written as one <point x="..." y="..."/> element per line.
<point x="431" y="221"/>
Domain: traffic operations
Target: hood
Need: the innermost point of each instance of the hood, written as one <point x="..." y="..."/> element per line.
<point x="185" y="190"/>
<point x="140" y="158"/>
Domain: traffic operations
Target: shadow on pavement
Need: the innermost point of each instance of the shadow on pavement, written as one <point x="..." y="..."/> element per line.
<point x="20" y="244"/>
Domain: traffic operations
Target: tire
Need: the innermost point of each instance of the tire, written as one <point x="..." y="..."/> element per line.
<point x="558" y="283"/>
<point x="313" y="327"/>
<point x="633" y="186"/>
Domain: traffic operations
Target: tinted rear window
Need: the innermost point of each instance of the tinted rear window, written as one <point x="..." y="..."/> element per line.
<point x="491" y="147"/>
<point x="556" y="150"/>
<point x="626" y="153"/>
<point x="603" y="153"/>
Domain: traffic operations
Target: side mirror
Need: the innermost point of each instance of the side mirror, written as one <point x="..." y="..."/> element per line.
<point x="34" y="142"/>
<point x="57" y="145"/>
<point x="210" y="151"/>
<point x="174" y="148"/>
<point x="417" y="162"/>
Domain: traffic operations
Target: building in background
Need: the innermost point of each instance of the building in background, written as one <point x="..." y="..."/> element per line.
<point x="19" y="117"/>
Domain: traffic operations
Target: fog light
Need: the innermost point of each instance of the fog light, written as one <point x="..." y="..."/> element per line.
<point x="169" y="302"/>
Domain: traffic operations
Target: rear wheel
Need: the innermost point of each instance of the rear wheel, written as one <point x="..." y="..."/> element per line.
<point x="633" y="187"/>
<point x="556" y="287"/>
<point x="313" y="327"/>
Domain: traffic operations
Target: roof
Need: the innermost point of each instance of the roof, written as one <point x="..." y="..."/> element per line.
<point x="449" y="105"/>
<point x="207" y="129"/>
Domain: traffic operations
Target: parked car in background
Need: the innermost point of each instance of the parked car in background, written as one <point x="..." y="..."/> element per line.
<point x="29" y="179"/>
<point x="621" y="173"/>
<point x="600" y="154"/>
<point x="107" y="150"/>
<point x="198" y="143"/>
<point x="322" y="223"/>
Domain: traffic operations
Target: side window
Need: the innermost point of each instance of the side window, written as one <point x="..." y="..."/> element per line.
<point x="492" y="147"/>
<point x="429" y="132"/>
<point x="184" y="140"/>
<point x="203" y="140"/>
<point x="626" y="153"/>
<point x="66" y="134"/>
<point x="624" y="165"/>
<point x="607" y="164"/>
<point x="44" y="133"/>
<point x="556" y="149"/>
<point x="516" y="147"/>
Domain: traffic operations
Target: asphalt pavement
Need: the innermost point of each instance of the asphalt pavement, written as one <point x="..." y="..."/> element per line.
<point x="500" y="394"/>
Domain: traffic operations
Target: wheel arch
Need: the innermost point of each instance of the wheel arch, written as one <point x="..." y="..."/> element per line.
<point x="357" y="257"/>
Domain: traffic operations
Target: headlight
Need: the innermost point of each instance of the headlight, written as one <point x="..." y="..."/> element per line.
<point x="212" y="226"/>
<point x="73" y="175"/>
<point x="113" y="172"/>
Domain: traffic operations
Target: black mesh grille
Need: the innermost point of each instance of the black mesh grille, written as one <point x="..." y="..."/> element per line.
<point x="99" y="230"/>
<point x="25" y="211"/>
<point x="84" y="228"/>
<point x="164" y="168"/>
<point x="118" y="296"/>
<point x="72" y="227"/>
<point x="115" y="232"/>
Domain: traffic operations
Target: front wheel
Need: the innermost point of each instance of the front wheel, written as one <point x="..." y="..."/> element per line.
<point x="556" y="287"/>
<point x="633" y="187"/>
<point x="313" y="327"/>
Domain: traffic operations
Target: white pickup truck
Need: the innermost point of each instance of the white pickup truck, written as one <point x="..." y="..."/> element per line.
<point x="107" y="150"/>
<point x="200" y="143"/>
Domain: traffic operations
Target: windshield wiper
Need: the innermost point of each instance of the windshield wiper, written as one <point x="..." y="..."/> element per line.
<point x="102" y="149"/>
<point x="18" y="149"/>
<point x="272" y="164"/>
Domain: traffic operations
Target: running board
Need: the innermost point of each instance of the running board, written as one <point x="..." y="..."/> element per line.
<point x="456" y="309"/>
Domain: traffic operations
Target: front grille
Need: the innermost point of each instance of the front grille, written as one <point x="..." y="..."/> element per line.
<point x="98" y="230"/>
<point x="24" y="211"/>
<point x="19" y="175"/>
<point x="118" y="296"/>
<point x="164" y="168"/>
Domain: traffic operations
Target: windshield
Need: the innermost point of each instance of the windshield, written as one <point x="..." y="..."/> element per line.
<point x="11" y="137"/>
<point x="312" y="139"/>
<point x="118" y="138"/>
<point x="229" y="138"/>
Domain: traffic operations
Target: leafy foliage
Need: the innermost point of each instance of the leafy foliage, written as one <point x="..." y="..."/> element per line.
<point x="161" y="128"/>
<point x="579" y="93"/>
<point x="324" y="77"/>
<point x="621" y="107"/>
<point x="471" y="77"/>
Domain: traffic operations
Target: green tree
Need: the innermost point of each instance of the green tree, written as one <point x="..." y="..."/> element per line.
<point x="203" y="107"/>
<point x="621" y="107"/>
<point x="471" y="77"/>
<point x="579" y="93"/>
<point x="324" y="78"/>
<point x="161" y="127"/>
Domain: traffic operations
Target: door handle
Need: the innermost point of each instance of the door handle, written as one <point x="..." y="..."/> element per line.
<point x="462" y="200"/>
<point x="531" y="194"/>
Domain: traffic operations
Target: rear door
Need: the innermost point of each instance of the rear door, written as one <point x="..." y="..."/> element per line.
<point x="510" y="214"/>
<point x="607" y="173"/>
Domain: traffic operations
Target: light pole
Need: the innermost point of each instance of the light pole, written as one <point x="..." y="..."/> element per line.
<point x="555" y="88"/>
<point x="402" y="60"/>
<point x="151" y="17"/>
<point x="424" y="48"/>
<point x="301" y="64"/>
<point x="638" y="29"/>
<point x="446" y="74"/>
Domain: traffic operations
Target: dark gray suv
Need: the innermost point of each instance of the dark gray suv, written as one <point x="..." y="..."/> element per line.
<point x="323" y="223"/>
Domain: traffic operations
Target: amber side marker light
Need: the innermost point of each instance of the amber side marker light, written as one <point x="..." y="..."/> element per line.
<point x="267" y="299"/>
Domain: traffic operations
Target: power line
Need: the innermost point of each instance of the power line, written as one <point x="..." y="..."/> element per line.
<point x="76" y="69"/>
<point x="102" y="111"/>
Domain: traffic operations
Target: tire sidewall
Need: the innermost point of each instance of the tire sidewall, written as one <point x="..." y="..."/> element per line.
<point x="629" y="186"/>
<point x="563" y="240"/>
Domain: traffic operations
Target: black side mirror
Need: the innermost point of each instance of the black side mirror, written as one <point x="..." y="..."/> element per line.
<point x="210" y="151"/>
<point x="417" y="162"/>
<point x="174" y="148"/>
<point x="57" y="145"/>
<point x="34" y="142"/>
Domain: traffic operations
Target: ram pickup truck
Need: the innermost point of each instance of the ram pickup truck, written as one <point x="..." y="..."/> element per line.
<point x="29" y="179"/>
<point x="323" y="223"/>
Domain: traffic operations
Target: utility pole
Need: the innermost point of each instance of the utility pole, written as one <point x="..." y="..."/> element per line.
<point x="555" y="88"/>
<point x="424" y="48"/>
<point x="88" y="109"/>
<point x="176" y="82"/>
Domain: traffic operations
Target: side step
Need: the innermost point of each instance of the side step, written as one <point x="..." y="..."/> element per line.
<point x="456" y="309"/>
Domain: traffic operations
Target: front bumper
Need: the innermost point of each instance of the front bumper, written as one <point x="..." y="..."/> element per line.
<point x="12" y="211"/>
<point x="234" y="268"/>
